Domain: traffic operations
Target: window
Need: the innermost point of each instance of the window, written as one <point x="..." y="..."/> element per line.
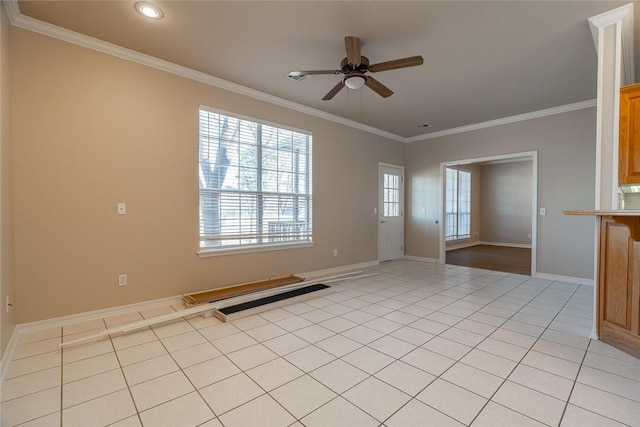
<point x="255" y="184"/>
<point x="458" y="204"/>
<point x="390" y="195"/>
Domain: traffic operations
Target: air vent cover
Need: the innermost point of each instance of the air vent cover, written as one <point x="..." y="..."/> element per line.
<point x="299" y="77"/>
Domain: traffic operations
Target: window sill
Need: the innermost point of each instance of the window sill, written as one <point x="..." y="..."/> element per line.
<point x="206" y="253"/>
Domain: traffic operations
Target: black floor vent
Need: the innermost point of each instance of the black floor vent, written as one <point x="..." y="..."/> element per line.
<point x="273" y="298"/>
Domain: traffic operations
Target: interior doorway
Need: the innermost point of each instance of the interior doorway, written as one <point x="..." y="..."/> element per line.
<point x="499" y="210"/>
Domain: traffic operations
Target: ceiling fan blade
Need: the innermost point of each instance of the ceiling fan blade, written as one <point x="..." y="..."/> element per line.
<point x="298" y="73"/>
<point x="353" y="45"/>
<point x="411" y="61"/>
<point x="378" y="87"/>
<point x="337" y="88"/>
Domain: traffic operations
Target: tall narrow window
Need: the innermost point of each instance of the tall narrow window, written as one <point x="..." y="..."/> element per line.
<point x="457" y="204"/>
<point x="390" y="195"/>
<point x="255" y="183"/>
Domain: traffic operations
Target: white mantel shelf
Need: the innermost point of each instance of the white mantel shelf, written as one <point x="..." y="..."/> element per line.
<point x="629" y="212"/>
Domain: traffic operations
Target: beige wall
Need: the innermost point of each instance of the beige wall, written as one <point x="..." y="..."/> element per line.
<point x="7" y="283"/>
<point x="506" y="202"/>
<point x="91" y="130"/>
<point x="566" y="176"/>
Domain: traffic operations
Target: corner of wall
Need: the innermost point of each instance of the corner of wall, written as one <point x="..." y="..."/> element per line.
<point x="7" y="276"/>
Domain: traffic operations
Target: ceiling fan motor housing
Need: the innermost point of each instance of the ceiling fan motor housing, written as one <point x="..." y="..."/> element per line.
<point x="363" y="67"/>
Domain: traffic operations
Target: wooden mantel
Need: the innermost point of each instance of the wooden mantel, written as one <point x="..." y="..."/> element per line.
<point x="618" y="281"/>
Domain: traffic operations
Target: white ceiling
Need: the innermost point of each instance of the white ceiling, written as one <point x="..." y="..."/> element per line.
<point x="483" y="60"/>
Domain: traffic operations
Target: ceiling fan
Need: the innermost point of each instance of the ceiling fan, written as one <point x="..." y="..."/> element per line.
<point x="355" y="68"/>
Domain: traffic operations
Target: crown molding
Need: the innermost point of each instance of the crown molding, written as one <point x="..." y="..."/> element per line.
<point x="507" y="120"/>
<point x="21" y="21"/>
<point x="44" y="28"/>
<point x="622" y="16"/>
<point x="611" y="16"/>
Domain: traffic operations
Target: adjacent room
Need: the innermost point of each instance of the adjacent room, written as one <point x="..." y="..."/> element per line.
<point x="488" y="217"/>
<point x="318" y="164"/>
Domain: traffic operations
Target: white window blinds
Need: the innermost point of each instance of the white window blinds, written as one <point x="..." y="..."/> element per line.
<point x="255" y="183"/>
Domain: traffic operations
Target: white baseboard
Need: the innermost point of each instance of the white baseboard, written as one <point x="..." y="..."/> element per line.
<point x="145" y="305"/>
<point x="97" y="314"/>
<point x="567" y="279"/>
<point x="462" y="245"/>
<point x="482" y="242"/>
<point x="338" y="270"/>
<point x="510" y="245"/>
<point x="8" y="354"/>
<point x="421" y="259"/>
<point x="140" y="306"/>
<point x="76" y="318"/>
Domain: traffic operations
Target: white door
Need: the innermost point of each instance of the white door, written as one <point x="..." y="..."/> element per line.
<point x="390" y="212"/>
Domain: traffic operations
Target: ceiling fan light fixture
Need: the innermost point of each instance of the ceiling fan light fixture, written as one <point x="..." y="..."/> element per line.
<point x="149" y="10"/>
<point x="354" y="82"/>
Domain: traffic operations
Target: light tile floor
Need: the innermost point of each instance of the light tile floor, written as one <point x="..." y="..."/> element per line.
<point x="415" y="345"/>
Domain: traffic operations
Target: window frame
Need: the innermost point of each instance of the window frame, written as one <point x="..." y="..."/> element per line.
<point x="204" y="251"/>
<point x="458" y="212"/>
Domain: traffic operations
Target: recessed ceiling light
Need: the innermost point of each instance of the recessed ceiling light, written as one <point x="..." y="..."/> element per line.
<point x="149" y="10"/>
<point x="422" y="126"/>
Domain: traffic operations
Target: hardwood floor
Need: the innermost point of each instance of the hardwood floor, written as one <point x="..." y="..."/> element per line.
<point x="498" y="258"/>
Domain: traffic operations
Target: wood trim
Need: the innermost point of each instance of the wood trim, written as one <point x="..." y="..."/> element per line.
<point x="628" y="144"/>
<point x="600" y="281"/>
<point x="633" y="222"/>
<point x="620" y="338"/>
<point x="634" y="299"/>
<point x="237" y="290"/>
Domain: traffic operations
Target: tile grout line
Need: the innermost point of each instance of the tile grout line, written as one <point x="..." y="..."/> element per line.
<point x="469" y="351"/>
<point x="182" y="371"/>
<point x="450" y="326"/>
<point x="409" y="291"/>
<point x="525" y="355"/>
<point x="340" y="358"/>
<point x="222" y="354"/>
<point x="575" y="381"/>
<point x="126" y="381"/>
<point x="488" y="336"/>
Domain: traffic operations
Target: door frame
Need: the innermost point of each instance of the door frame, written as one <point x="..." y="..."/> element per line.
<point x="534" y="200"/>
<point x="378" y="209"/>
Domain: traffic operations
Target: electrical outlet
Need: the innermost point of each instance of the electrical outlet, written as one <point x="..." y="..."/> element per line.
<point x="529" y="235"/>
<point x="122" y="280"/>
<point x="335" y="252"/>
<point x="543" y="211"/>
